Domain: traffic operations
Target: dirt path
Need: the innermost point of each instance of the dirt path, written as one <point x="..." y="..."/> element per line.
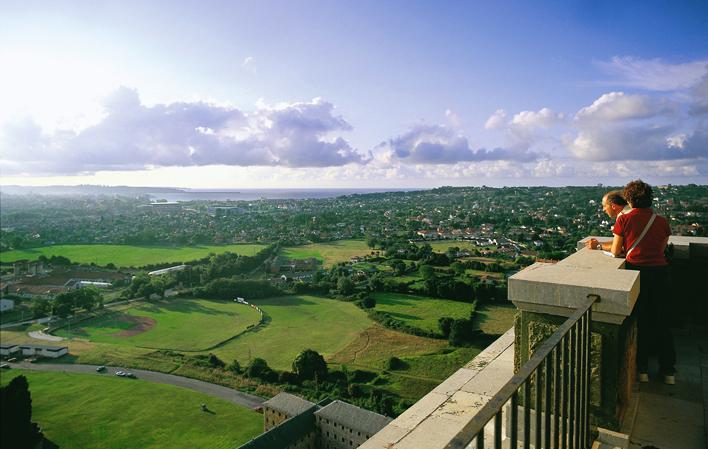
<point x="225" y="393"/>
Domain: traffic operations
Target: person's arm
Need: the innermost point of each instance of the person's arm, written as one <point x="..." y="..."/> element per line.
<point x="617" y="242"/>
<point x="596" y="244"/>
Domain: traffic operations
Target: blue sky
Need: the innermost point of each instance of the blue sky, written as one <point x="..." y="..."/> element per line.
<point x="353" y="94"/>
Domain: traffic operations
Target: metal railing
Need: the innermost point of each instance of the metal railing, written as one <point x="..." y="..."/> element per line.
<point x="555" y="383"/>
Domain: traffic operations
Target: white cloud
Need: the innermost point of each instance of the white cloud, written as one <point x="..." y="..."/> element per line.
<point x="614" y="106"/>
<point x="438" y="144"/>
<point x="529" y="120"/>
<point x="496" y="120"/>
<point x="654" y="74"/>
<point x="135" y="136"/>
<point x="249" y="64"/>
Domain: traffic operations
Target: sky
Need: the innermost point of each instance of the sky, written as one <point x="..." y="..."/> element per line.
<point x="364" y="94"/>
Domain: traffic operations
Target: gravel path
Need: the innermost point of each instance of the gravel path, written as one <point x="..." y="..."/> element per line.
<point x="228" y="394"/>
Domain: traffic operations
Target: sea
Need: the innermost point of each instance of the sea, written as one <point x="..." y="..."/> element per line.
<point x="256" y="194"/>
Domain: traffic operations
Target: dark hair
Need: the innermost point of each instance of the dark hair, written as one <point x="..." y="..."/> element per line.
<point x="615" y="197"/>
<point x="638" y="193"/>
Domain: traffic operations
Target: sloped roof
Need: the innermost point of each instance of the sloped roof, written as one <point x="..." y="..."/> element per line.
<point x="288" y="403"/>
<point x="353" y="417"/>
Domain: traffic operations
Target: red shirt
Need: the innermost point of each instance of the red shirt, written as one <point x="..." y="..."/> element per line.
<point x="650" y="251"/>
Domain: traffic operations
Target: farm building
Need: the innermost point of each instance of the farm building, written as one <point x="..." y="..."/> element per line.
<point x="291" y="422"/>
<point x="167" y="270"/>
<point x="82" y="284"/>
<point x="44" y="351"/>
<point x="7" y="349"/>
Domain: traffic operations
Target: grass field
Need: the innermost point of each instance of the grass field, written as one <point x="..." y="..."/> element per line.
<point x="297" y="323"/>
<point x="179" y="324"/>
<point x="127" y="255"/>
<point x="422" y="312"/>
<point x="101" y="411"/>
<point x="495" y="319"/>
<point x="329" y="253"/>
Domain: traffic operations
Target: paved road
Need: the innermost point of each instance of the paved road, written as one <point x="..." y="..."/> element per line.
<point x="228" y="394"/>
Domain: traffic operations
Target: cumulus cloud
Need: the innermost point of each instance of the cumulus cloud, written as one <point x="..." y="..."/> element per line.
<point x="654" y="74"/>
<point x="615" y="106"/>
<point x="135" y="136"/>
<point x="529" y="120"/>
<point x="496" y="120"/>
<point x="437" y="144"/>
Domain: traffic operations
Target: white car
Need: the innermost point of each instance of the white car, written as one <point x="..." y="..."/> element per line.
<point x="120" y="373"/>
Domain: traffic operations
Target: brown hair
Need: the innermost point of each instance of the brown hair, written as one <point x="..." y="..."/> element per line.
<point x="638" y="193"/>
<point x="615" y="197"/>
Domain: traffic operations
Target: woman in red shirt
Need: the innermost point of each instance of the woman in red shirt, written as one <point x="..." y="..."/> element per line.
<point x="642" y="236"/>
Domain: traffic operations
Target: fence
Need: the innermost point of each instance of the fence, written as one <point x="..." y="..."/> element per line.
<point x="556" y="378"/>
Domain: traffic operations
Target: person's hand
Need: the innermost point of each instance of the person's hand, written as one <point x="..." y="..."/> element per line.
<point x="592" y="243"/>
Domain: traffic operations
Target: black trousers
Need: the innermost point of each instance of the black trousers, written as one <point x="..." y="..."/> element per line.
<point x="653" y="313"/>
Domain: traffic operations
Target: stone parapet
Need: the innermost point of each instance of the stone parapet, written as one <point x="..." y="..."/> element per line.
<point x="434" y="420"/>
<point x="684" y="247"/>
<point x="558" y="289"/>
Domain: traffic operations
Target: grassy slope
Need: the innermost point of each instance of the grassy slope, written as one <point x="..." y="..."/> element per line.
<point x="127" y="255"/>
<point x="180" y="324"/>
<point x="420" y="311"/>
<point x="100" y="411"/>
<point x="495" y="319"/>
<point x="330" y="252"/>
<point x="297" y="323"/>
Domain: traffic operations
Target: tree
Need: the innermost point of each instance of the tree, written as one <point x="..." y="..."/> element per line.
<point x="16" y="427"/>
<point x="345" y="285"/>
<point x="426" y="271"/>
<point x="309" y="364"/>
<point x="258" y="368"/>
<point x="369" y="302"/>
<point x="445" y="324"/>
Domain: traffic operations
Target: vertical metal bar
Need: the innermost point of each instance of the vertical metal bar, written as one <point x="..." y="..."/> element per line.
<point x="514" y="431"/>
<point x="498" y="431"/>
<point x="581" y="382"/>
<point x="547" y="401"/>
<point x="556" y="393"/>
<point x="564" y="391"/>
<point x="480" y="439"/>
<point x="571" y="387"/>
<point x="586" y="380"/>
<point x="537" y="408"/>
<point x="527" y="414"/>
<point x="588" y="343"/>
<point x="578" y="386"/>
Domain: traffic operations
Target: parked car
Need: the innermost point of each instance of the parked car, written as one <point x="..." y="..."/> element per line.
<point x="131" y="375"/>
<point x="120" y="373"/>
<point x="12" y="360"/>
<point x="5" y="366"/>
<point x="100" y="369"/>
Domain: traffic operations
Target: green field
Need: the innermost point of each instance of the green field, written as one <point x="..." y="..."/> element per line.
<point x="495" y="319"/>
<point x="179" y="324"/>
<point x="422" y="312"/>
<point x="329" y="253"/>
<point x="101" y="411"/>
<point x="297" y="323"/>
<point x="127" y="255"/>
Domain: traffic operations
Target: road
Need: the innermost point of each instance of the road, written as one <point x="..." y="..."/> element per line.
<point x="225" y="393"/>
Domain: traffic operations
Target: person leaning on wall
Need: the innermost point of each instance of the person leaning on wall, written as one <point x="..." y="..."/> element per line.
<point x="642" y="236"/>
<point x="614" y="205"/>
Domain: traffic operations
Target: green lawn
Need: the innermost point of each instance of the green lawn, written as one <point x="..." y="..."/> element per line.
<point x="420" y="311"/>
<point x="102" y="411"/>
<point x="127" y="255"/>
<point x="329" y="253"/>
<point x="180" y="324"/>
<point x="297" y="323"/>
<point x="495" y="319"/>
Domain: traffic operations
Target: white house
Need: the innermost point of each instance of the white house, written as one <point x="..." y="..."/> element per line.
<point x="44" y="351"/>
<point x="7" y="349"/>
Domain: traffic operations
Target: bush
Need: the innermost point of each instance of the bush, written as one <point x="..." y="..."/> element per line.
<point x="310" y="364"/>
<point x="394" y="363"/>
<point x="287" y="377"/>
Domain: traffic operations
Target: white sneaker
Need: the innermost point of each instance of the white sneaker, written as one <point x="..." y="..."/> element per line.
<point x="669" y="379"/>
<point x="644" y="378"/>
